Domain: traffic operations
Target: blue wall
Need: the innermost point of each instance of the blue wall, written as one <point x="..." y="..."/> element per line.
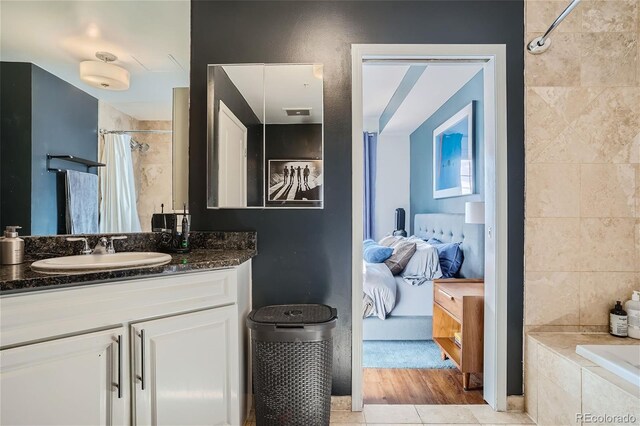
<point x="421" y="181"/>
<point x="41" y="114"/>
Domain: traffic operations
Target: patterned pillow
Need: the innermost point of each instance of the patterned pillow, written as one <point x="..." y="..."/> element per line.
<point x="403" y="251"/>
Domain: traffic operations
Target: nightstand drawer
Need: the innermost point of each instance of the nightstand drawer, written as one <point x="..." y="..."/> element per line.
<point x="448" y="301"/>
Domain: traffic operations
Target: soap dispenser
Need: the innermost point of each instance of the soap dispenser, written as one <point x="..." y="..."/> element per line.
<point x="618" y="321"/>
<point x="11" y="247"/>
<point x="633" y="315"/>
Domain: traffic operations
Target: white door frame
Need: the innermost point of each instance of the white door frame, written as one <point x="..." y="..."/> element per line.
<point x="223" y="109"/>
<point x="495" y="305"/>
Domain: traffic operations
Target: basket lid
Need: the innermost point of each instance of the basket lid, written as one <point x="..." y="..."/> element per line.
<point x="294" y="314"/>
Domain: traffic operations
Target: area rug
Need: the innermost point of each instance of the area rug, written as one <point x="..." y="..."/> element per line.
<point x="403" y="354"/>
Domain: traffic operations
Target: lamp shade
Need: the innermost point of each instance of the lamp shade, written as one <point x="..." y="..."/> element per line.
<point x="474" y="212"/>
<point x="104" y="75"/>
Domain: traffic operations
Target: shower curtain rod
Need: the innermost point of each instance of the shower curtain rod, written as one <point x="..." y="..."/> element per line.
<point x="119" y="132"/>
<point x="540" y="44"/>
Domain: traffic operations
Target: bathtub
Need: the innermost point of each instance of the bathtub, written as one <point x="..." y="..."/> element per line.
<point x="621" y="360"/>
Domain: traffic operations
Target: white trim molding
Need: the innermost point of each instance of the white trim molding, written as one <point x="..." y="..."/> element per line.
<point x="496" y="226"/>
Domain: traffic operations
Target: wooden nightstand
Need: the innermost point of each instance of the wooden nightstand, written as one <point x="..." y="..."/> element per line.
<point x="458" y="306"/>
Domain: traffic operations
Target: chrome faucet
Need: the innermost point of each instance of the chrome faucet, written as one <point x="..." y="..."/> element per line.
<point x="104" y="245"/>
<point x="85" y="249"/>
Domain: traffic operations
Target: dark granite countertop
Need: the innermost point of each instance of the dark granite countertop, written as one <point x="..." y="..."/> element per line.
<point x="216" y="254"/>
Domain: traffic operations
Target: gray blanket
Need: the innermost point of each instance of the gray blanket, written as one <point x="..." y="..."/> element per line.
<point x="424" y="265"/>
<point x="379" y="289"/>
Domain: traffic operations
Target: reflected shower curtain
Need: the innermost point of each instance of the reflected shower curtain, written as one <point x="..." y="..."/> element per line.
<point x="370" y="149"/>
<point x="118" y="210"/>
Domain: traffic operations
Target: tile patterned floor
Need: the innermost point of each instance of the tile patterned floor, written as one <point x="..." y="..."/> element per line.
<point x="408" y="415"/>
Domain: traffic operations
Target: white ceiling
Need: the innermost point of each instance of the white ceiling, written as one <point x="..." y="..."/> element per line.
<point x="434" y="87"/>
<point x="150" y="38"/>
<point x="285" y="86"/>
<point x="379" y="83"/>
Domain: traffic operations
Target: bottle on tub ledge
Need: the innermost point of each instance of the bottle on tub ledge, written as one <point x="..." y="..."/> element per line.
<point x="618" y="321"/>
<point x="633" y="315"/>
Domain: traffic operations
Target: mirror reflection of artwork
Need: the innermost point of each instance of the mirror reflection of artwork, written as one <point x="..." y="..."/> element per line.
<point x="295" y="180"/>
<point x="258" y="115"/>
<point x="453" y="156"/>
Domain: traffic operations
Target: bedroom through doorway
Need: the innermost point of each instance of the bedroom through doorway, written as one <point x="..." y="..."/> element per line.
<point x="423" y="231"/>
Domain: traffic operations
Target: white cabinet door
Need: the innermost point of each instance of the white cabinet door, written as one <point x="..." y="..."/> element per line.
<point x="68" y="381"/>
<point x="186" y="369"/>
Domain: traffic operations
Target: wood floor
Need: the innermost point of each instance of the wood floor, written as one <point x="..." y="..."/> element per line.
<point x="419" y="386"/>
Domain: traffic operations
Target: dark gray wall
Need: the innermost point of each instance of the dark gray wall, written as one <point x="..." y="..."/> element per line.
<point x="292" y="142"/>
<point x="15" y="145"/>
<point x="421" y="183"/>
<point x="305" y="255"/>
<point x="60" y="119"/>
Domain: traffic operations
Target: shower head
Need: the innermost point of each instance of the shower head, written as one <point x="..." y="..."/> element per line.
<point x="137" y="146"/>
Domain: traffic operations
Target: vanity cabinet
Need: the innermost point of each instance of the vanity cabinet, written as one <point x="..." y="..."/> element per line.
<point x="167" y="351"/>
<point x="71" y="381"/>
<point x="184" y="367"/>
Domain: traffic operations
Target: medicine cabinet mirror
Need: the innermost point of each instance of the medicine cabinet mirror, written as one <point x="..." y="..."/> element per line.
<point x="265" y="136"/>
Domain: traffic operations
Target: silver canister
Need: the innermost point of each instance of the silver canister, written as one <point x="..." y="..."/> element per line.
<point x="11" y="247"/>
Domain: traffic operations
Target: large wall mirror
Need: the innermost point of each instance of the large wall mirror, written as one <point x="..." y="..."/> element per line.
<point x="94" y="114"/>
<point x="265" y="136"/>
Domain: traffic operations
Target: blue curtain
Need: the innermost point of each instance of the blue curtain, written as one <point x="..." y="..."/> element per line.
<point x="370" y="148"/>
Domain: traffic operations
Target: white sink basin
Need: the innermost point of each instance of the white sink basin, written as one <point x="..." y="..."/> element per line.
<point x="123" y="260"/>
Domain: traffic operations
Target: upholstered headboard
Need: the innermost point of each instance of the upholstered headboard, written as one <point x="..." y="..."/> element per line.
<point x="452" y="228"/>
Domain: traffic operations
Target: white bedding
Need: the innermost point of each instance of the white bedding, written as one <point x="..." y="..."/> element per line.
<point x="379" y="288"/>
<point x="424" y="265"/>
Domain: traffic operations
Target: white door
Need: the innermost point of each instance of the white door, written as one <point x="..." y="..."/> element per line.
<point x="232" y="159"/>
<point x="69" y="381"/>
<point x="186" y="369"/>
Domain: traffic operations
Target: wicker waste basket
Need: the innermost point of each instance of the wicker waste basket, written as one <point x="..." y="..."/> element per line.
<point x="292" y="348"/>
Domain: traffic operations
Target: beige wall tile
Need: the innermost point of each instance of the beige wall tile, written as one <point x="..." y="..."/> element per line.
<point x="608" y="125"/>
<point x="540" y="14"/>
<point x="637" y="196"/>
<point x="553" y="190"/>
<point x="607" y="190"/>
<point x="559" y="385"/>
<point x="569" y="102"/>
<point x="559" y="66"/>
<point x="600" y="397"/>
<point x="556" y="406"/>
<point x="600" y="290"/>
<point x="567" y="147"/>
<point x="552" y="298"/>
<point x="543" y="121"/>
<point x="608" y="59"/>
<point x="637" y="238"/>
<point x="635" y="147"/>
<point x="552" y="244"/>
<point x="531" y="378"/>
<point x="610" y="16"/>
<point x="607" y="244"/>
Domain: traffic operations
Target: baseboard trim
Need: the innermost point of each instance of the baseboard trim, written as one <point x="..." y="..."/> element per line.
<point x="341" y="403"/>
<point x="515" y="403"/>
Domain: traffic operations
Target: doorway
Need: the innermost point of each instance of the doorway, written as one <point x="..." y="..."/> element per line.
<point x="490" y="59"/>
<point x="232" y="144"/>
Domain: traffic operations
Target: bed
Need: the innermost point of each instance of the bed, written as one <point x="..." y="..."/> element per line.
<point x="410" y="318"/>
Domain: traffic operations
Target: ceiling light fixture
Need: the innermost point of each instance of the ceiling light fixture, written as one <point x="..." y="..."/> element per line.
<point x="103" y="74"/>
